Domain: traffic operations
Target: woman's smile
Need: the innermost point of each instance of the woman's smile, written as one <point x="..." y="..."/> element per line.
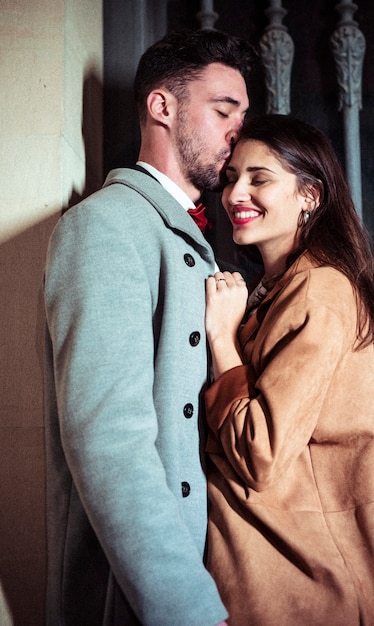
<point x="243" y="215"/>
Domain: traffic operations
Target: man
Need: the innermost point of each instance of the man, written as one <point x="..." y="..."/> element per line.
<point x="124" y="290"/>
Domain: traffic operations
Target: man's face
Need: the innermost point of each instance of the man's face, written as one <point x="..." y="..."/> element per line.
<point x="209" y="123"/>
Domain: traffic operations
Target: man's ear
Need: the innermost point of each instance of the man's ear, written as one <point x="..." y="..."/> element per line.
<point x="162" y="106"/>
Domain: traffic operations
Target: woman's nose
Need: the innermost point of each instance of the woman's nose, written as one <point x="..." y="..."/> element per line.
<point x="239" y="192"/>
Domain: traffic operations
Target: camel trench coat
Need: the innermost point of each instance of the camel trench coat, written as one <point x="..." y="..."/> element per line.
<point x="291" y="478"/>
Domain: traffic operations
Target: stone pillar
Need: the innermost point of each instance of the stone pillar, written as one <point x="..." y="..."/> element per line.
<point x="51" y="155"/>
<point x="207" y="15"/>
<point x="277" y="51"/>
<point x="348" y="46"/>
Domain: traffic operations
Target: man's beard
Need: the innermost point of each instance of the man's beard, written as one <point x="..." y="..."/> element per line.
<point x="191" y="150"/>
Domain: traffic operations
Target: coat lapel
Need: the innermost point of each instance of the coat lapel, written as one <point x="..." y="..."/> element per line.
<point x="170" y="210"/>
<point x="250" y="329"/>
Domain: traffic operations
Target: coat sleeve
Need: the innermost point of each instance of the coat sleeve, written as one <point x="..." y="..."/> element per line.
<point x="262" y="415"/>
<point x="99" y="313"/>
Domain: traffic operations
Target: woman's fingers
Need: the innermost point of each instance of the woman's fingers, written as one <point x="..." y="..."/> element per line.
<point x="228" y="279"/>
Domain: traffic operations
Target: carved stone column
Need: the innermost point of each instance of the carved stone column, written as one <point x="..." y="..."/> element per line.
<point x="348" y="47"/>
<point x="277" y="50"/>
<point x="207" y="16"/>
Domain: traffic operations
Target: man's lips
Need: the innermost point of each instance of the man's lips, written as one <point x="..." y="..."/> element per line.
<point x="241" y="215"/>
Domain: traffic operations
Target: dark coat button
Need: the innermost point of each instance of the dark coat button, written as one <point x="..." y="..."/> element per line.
<point x="195" y="338"/>
<point x="189" y="260"/>
<point x="188" y="410"/>
<point x="185" y="489"/>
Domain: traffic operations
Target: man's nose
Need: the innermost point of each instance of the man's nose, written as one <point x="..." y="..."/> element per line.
<point x="234" y="132"/>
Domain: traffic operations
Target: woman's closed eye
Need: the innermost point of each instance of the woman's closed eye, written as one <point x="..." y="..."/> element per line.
<point x="226" y="181"/>
<point x="256" y="182"/>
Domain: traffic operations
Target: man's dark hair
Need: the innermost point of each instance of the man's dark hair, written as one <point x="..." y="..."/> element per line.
<point x="179" y="58"/>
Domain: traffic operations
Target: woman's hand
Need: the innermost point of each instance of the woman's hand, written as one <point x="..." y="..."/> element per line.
<point x="226" y="300"/>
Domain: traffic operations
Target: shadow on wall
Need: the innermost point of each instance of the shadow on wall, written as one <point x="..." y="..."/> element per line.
<point x="22" y="455"/>
<point x="92" y="134"/>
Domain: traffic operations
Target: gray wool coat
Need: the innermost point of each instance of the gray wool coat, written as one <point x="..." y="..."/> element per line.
<point x="125" y="367"/>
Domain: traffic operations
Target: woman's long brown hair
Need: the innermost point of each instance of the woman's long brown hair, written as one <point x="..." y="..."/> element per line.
<point x="334" y="235"/>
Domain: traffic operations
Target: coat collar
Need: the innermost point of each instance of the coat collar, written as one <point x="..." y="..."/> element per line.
<point x="303" y="263"/>
<point x="173" y="214"/>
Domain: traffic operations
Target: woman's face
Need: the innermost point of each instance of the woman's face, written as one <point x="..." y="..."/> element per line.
<point x="262" y="199"/>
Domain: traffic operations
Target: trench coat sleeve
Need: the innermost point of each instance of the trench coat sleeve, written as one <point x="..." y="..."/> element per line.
<point x="100" y="318"/>
<point x="263" y="415"/>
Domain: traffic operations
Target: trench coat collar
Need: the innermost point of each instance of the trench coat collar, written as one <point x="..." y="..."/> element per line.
<point x="301" y="264"/>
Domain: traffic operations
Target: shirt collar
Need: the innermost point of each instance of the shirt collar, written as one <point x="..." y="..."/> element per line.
<point x="178" y="194"/>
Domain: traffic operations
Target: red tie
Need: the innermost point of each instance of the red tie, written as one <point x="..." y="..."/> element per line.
<point x="198" y="216"/>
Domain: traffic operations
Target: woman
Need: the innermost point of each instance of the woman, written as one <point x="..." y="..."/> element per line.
<point x="291" y="411"/>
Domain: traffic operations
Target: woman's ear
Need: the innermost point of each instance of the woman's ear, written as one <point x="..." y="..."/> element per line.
<point x="161" y="105"/>
<point x="312" y="197"/>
